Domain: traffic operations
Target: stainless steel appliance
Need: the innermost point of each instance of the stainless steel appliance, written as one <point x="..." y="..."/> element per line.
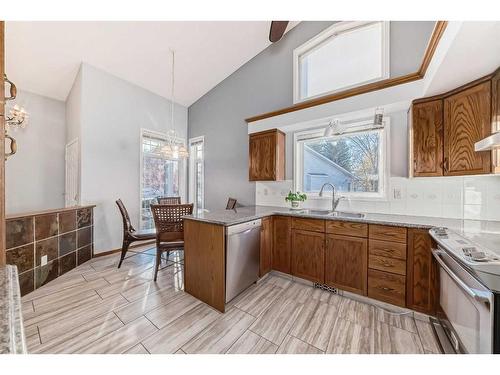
<point x="469" y="277"/>
<point x="242" y="257"/>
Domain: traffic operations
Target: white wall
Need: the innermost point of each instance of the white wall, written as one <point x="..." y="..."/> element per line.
<point x="35" y="174"/>
<point x="112" y="115"/>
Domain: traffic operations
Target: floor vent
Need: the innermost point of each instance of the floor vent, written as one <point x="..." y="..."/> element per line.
<point x="327" y="288"/>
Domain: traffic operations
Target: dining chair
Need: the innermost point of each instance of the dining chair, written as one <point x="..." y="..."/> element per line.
<point x="129" y="233"/>
<point x="231" y="203"/>
<point x="169" y="200"/>
<point x="169" y="228"/>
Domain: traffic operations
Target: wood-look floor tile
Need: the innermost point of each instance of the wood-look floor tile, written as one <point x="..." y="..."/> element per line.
<point x="140" y="291"/>
<point x="427" y="337"/>
<point x="180" y="351"/>
<point x="251" y="343"/>
<point x="350" y="338"/>
<point x="115" y="274"/>
<point x="56" y="300"/>
<point x="138" y="349"/>
<point x="122" y="339"/>
<point x="315" y="323"/>
<point x="79" y="337"/>
<point x="357" y="312"/>
<point x="299" y="292"/>
<point x="149" y="302"/>
<point x="75" y="318"/>
<point x="31" y="319"/>
<point x="165" y="314"/>
<point x="221" y="334"/>
<point x="282" y="282"/>
<point x="292" y="345"/>
<point x="403" y="321"/>
<point x="325" y="296"/>
<point x="119" y="287"/>
<point x="172" y="337"/>
<point x="256" y="300"/>
<point x="32" y="342"/>
<point x="54" y="287"/>
<point x="27" y="306"/>
<point x="381" y="339"/>
<point x="404" y="342"/>
<point x="276" y="321"/>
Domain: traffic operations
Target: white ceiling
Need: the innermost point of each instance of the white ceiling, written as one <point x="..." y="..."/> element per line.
<point x="44" y="57"/>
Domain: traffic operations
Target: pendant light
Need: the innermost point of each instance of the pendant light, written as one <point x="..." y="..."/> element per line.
<point x="172" y="148"/>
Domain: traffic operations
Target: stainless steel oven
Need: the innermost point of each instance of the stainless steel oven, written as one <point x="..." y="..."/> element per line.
<point x="469" y="307"/>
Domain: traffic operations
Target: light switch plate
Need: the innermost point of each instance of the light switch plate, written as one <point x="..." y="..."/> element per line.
<point x="43" y="260"/>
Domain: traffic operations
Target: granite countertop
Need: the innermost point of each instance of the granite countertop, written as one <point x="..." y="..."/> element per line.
<point x="12" y="339"/>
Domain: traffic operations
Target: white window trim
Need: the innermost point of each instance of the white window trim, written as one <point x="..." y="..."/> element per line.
<point x="183" y="167"/>
<point x="192" y="195"/>
<point x="298" y="160"/>
<point x="335" y="29"/>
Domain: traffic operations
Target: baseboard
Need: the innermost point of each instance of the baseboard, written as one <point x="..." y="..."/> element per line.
<point x="120" y="249"/>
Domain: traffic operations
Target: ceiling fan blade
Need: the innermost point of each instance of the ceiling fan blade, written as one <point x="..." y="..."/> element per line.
<point x="277" y="30"/>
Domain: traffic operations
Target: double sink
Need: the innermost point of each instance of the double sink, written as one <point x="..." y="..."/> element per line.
<point x="349" y="215"/>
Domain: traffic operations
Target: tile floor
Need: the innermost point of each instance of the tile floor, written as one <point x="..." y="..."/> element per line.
<point x="97" y="308"/>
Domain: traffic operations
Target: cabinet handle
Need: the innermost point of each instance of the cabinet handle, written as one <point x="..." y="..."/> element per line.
<point x="445" y="164"/>
<point x="13" y="88"/>
<point x="386" y="289"/>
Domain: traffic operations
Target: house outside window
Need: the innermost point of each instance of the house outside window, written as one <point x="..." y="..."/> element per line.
<point x="346" y="55"/>
<point x="355" y="162"/>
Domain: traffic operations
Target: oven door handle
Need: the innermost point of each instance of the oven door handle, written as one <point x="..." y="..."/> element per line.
<point x="474" y="293"/>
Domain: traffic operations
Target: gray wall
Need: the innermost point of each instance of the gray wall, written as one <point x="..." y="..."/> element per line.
<point x="264" y="84"/>
<point x="35" y="175"/>
<point x="112" y="115"/>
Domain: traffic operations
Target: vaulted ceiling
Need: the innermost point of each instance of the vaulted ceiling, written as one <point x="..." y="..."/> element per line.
<point x="44" y="57"/>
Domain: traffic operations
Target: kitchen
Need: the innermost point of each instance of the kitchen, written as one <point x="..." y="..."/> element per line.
<point x="294" y="202"/>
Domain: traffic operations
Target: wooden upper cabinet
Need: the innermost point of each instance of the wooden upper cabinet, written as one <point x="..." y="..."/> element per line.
<point x="266" y="245"/>
<point x="266" y="156"/>
<point x="308" y="255"/>
<point x="467" y="119"/>
<point x="281" y="256"/>
<point x="422" y="286"/>
<point x="495" y="118"/>
<point x="346" y="263"/>
<point x="427" y="138"/>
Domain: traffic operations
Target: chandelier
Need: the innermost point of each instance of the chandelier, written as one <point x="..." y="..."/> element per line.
<point x="17" y="118"/>
<point x="174" y="148"/>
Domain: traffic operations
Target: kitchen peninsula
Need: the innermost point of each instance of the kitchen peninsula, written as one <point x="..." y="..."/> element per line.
<point x="384" y="257"/>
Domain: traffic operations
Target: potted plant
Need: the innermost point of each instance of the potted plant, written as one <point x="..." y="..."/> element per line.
<point x="295" y="199"/>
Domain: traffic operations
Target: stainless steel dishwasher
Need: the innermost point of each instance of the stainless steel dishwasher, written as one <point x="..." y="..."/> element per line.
<point x="242" y="257"/>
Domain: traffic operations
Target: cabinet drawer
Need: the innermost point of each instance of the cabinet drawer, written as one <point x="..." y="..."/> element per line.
<point x="387" y="249"/>
<point x="387" y="264"/>
<point x="347" y="228"/>
<point x="386" y="287"/>
<point x="314" y="225"/>
<point x="388" y="233"/>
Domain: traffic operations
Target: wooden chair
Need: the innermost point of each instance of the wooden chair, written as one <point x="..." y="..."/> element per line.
<point x="169" y="200"/>
<point x="129" y="233"/>
<point x="231" y="203"/>
<point x="169" y="228"/>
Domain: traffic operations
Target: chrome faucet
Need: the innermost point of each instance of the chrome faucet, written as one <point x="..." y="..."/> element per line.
<point x="335" y="202"/>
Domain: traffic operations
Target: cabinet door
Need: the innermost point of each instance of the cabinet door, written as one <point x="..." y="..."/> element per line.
<point x="308" y="255"/>
<point x="467" y="119"/>
<point x="346" y="263"/>
<point x="427" y="134"/>
<point x="266" y="246"/>
<point x="281" y="244"/>
<point x="262" y="156"/>
<point x="421" y="280"/>
<point x="495" y="118"/>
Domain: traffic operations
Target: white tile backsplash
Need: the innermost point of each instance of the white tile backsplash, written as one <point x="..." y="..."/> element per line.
<point x="471" y="197"/>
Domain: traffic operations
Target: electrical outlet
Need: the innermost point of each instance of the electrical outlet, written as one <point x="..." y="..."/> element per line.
<point x="396" y="192"/>
<point x="43" y="260"/>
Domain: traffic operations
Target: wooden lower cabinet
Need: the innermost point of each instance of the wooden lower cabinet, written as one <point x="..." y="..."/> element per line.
<point x="281" y="255"/>
<point x="346" y="263"/>
<point x="387" y="287"/>
<point x="422" y="284"/>
<point x="308" y="255"/>
<point x="266" y="246"/>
